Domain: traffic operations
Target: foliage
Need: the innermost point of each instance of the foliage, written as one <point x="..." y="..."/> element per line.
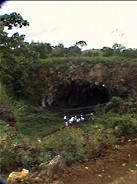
<point x="73" y="51"/>
<point x="129" y="106"/>
<point x="113" y="104"/>
<point x="118" y="113"/>
<point x="126" y="124"/>
<point x="22" y="65"/>
<point x="13" y="19"/>
<point x="5" y="100"/>
<point x="58" y="51"/>
<point x="118" y="47"/>
<point x="10" y="21"/>
<point x="18" y="150"/>
<point x="17" y="62"/>
<point x="79" y="144"/>
<point x="44" y="49"/>
<point x="129" y="53"/>
<point x="76" y="146"/>
<point x="81" y="43"/>
<point x="15" y="149"/>
<point x="17" y="74"/>
<point x="33" y="122"/>
<point x="107" y="51"/>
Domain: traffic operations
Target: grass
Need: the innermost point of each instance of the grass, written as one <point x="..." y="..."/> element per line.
<point x="76" y="145"/>
<point x="20" y="147"/>
<point x="93" y="60"/>
<point x="37" y="122"/>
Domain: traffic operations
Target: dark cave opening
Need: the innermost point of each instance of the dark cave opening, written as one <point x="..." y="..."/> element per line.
<point x="78" y="95"/>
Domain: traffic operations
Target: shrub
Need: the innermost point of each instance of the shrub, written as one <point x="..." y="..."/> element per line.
<point x="75" y="145"/>
<point x="69" y="143"/>
<point x="20" y="151"/>
<point x="129" y="106"/>
<point x="113" y="104"/>
<point x="100" y="139"/>
<point x="126" y="123"/>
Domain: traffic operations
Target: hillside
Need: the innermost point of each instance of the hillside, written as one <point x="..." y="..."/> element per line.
<point x="79" y="83"/>
<point x="40" y="84"/>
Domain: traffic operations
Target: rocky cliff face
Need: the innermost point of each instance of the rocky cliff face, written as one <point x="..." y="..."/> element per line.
<point x="84" y="84"/>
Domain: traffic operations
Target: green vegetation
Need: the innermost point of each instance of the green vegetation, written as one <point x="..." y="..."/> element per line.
<point x="22" y="91"/>
<point x="22" y="63"/>
<point x="21" y="148"/>
<point x="36" y="123"/>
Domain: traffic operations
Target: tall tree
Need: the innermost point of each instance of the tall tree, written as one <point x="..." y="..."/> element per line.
<point x="10" y="21"/>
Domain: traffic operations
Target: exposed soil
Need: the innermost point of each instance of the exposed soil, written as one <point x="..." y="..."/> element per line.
<point x="116" y="164"/>
<point x="116" y="167"/>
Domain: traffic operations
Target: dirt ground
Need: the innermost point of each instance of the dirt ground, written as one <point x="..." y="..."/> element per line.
<point x="116" y="167"/>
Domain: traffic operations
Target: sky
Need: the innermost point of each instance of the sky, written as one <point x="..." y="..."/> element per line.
<point x="99" y="23"/>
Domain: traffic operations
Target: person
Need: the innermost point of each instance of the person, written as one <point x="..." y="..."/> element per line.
<point x="72" y="119"/>
<point x="66" y="123"/>
<point x="82" y="118"/>
<point x="70" y="122"/>
<point x="78" y="120"/>
<point x="65" y="117"/>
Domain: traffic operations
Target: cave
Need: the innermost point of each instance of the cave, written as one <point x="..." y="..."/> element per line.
<point x="78" y="95"/>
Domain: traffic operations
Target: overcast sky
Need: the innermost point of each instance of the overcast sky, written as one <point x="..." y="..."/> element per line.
<point x="99" y="23"/>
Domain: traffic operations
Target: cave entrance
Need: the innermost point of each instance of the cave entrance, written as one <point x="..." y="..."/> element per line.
<point x="78" y="95"/>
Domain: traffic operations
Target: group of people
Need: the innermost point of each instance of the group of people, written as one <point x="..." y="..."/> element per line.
<point x="75" y="119"/>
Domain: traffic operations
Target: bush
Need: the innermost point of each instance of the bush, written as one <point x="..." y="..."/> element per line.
<point x="18" y="150"/>
<point x="129" y="106"/>
<point x="126" y="123"/>
<point x="113" y="104"/>
<point x="75" y="145"/>
<point x="12" y="154"/>
<point x="69" y="144"/>
<point x="100" y="139"/>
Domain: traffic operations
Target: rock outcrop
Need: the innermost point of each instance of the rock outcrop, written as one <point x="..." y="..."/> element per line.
<point x="53" y="167"/>
<point x="63" y="80"/>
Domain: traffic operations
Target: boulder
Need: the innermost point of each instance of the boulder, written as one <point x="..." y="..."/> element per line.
<point x="53" y="167"/>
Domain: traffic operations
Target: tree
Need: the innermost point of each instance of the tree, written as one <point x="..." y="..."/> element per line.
<point x="81" y="43"/>
<point x="10" y="21"/>
<point x="44" y="49"/>
<point x="118" y="47"/>
<point x="59" y="51"/>
<point x="73" y="51"/>
<point x="18" y="59"/>
<point x="107" y="51"/>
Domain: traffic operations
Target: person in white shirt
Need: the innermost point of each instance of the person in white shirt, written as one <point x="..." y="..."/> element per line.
<point x="82" y="118"/>
<point x="78" y="120"/>
<point x="65" y="117"/>
<point x="70" y="122"/>
<point x="66" y="124"/>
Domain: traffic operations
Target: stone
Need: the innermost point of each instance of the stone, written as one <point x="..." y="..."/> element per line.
<point x="56" y="165"/>
<point x="53" y="167"/>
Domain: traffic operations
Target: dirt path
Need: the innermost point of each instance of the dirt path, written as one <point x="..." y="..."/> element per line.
<point x="117" y="167"/>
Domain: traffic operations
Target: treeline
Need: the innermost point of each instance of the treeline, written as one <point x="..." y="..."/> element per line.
<point x="41" y="50"/>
